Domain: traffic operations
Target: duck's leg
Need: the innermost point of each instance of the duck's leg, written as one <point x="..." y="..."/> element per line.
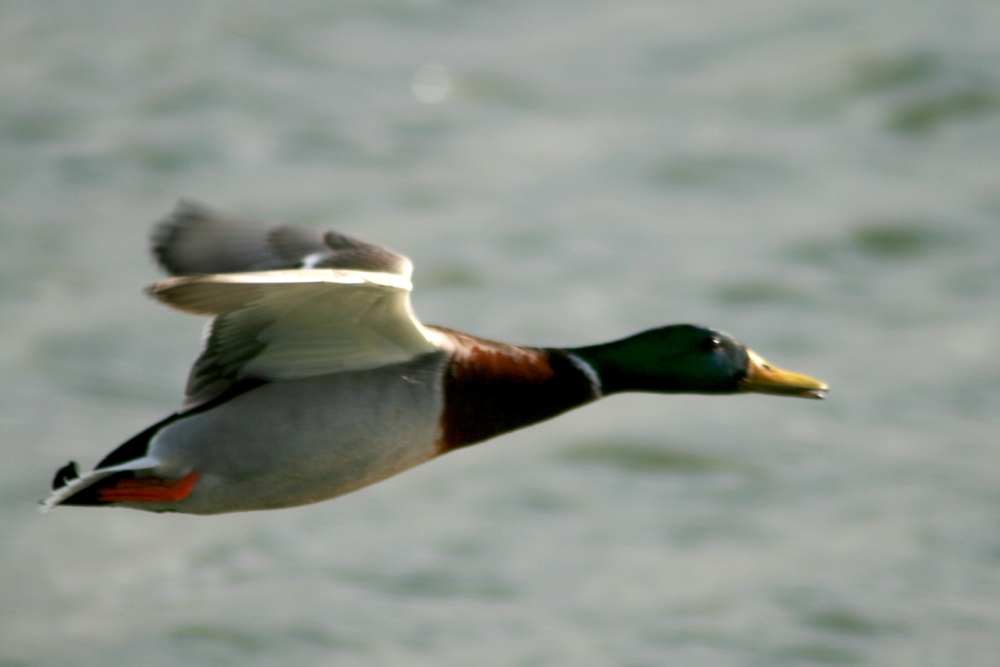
<point x="148" y="489"/>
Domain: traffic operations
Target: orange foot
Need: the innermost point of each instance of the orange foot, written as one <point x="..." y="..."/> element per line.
<point x="148" y="489"/>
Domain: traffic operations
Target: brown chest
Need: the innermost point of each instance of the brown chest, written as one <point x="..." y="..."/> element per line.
<point x="492" y="388"/>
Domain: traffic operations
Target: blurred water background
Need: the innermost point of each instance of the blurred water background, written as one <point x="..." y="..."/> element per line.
<point x="818" y="178"/>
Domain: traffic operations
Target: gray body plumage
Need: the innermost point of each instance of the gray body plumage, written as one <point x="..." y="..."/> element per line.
<point x="301" y="441"/>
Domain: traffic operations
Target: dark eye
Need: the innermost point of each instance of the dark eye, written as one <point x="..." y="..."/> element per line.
<point x="712" y="344"/>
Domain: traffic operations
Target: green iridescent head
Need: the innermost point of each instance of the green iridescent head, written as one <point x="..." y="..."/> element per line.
<point x="685" y="358"/>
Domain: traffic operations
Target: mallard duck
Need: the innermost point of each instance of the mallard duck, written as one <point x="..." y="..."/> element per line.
<point x="317" y="379"/>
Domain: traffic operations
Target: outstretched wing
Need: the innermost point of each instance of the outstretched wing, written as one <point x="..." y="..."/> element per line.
<point x="283" y="322"/>
<point x="194" y="239"/>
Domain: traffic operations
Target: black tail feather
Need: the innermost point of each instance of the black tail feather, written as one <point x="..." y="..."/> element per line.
<point x="65" y="475"/>
<point x="89" y="495"/>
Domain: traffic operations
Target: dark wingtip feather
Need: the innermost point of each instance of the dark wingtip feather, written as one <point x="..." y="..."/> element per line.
<point x="166" y="232"/>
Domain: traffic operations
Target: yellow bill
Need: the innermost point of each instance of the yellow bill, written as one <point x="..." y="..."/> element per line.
<point x="766" y="378"/>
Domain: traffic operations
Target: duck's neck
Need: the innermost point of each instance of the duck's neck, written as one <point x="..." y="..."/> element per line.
<point x="492" y="388"/>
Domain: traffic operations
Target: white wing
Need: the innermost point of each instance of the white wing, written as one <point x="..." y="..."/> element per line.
<point x="279" y="325"/>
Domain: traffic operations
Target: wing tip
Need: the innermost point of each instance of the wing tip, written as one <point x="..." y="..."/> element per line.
<point x="165" y="234"/>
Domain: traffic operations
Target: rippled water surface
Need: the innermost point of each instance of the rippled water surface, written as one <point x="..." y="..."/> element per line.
<point x="818" y="178"/>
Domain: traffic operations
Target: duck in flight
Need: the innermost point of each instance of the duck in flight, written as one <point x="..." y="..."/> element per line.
<point x="317" y="379"/>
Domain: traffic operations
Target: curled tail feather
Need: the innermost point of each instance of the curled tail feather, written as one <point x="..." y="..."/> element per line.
<point x="71" y="488"/>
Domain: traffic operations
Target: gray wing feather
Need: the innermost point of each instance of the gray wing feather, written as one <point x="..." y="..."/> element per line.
<point x="196" y="240"/>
